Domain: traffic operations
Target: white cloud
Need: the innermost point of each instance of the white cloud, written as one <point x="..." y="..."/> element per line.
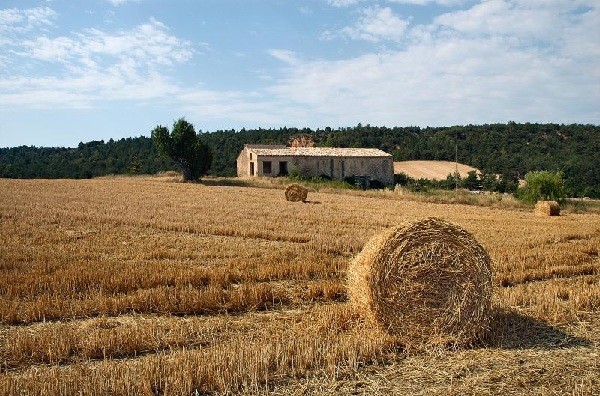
<point x="425" y="2"/>
<point x="10" y="17"/>
<point x="522" y="19"/>
<point x="119" y="2"/>
<point x="285" y="56"/>
<point x="342" y="3"/>
<point x="377" y="24"/>
<point x="494" y="62"/>
<point x="521" y="60"/>
<point x="50" y="49"/>
<point x="14" y="23"/>
<point x="346" y="3"/>
<point x="13" y="20"/>
<point x="95" y="65"/>
<point x="233" y="105"/>
<point x="40" y="16"/>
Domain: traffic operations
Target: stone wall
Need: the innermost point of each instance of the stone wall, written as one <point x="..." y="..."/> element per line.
<point x="336" y="167"/>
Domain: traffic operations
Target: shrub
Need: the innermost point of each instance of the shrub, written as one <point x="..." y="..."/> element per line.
<point x="420" y="185"/>
<point x="542" y="185"/>
<point x="402" y="179"/>
<point x="376" y="184"/>
<point x="471" y="182"/>
<point x="294" y="172"/>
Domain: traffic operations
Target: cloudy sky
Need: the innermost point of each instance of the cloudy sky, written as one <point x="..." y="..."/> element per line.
<point x="73" y="71"/>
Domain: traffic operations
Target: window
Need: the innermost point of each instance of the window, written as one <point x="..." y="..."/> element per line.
<point x="267" y="167"/>
<point x="250" y="156"/>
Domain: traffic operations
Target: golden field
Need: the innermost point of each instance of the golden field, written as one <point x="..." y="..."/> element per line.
<point x="143" y="285"/>
<point x="433" y="170"/>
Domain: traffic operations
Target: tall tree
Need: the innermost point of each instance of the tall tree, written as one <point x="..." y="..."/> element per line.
<point x="184" y="146"/>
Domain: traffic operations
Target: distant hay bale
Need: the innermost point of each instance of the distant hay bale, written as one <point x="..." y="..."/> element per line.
<point x="296" y="193"/>
<point x="427" y="283"/>
<point x="547" y="208"/>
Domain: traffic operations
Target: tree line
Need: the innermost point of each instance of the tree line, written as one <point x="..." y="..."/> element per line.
<point x="510" y="150"/>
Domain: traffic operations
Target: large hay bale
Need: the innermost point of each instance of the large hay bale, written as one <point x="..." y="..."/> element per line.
<point x="296" y="193"/>
<point x="547" y="208"/>
<point x="427" y="283"/>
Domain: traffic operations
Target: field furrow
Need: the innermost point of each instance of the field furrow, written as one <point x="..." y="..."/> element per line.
<point x="147" y="286"/>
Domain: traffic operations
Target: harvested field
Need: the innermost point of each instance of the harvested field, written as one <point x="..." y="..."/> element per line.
<point x="432" y="170"/>
<point x="148" y="286"/>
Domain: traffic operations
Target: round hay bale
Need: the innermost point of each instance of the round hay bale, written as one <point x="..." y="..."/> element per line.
<point x="296" y="193"/>
<point x="427" y="282"/>
<point x="547" y="208"/>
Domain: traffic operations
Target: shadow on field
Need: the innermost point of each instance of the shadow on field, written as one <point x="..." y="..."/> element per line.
<point x="510" y="329"/>
<point x="228" y="182"/>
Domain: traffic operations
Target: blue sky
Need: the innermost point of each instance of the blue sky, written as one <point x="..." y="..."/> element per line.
<point x="73" y="71"/>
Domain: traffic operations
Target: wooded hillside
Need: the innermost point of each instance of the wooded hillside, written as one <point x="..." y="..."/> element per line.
<point x="509" y="149"/>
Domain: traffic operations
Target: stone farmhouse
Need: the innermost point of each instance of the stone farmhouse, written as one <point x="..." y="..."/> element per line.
<point x="336" y="163"/>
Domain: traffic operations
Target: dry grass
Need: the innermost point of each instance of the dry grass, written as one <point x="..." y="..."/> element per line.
<point x="146" y="286"/>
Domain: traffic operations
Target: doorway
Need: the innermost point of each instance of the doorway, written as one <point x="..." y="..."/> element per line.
<point x="283" y="168"/>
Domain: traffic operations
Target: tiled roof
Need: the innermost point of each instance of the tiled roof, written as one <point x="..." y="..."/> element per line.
<point x="318" y="152"/>
<point x="265" y="146"/>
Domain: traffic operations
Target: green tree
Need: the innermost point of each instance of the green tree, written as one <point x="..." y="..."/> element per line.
<point x="542" y="185"/>
<point x="450" y="182"/>
<point x="489" y="181"/>
<point x="134" y="166"/>
<point x="471" y="182"/>
<point x="184" y="147"/>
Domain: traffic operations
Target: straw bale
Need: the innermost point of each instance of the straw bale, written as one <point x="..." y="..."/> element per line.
<point x="547" y="208"/>
<point x="296" y="193"/>
<point x="428" y="283"/>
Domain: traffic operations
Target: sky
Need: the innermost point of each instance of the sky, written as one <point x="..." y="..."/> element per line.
<point x="75" y="71"/>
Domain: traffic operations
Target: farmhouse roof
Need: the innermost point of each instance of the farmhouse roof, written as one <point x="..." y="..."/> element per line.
<point x="265" y="146"/>
<point x="283" y="151"/>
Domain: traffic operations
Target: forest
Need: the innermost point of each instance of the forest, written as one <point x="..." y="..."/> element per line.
<point x="510" y="150"/>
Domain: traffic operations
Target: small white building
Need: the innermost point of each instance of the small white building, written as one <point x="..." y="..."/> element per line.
<point x="333" y="162"/>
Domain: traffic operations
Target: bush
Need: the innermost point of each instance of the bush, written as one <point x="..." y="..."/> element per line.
<point x="489" y="181"/>
<point x="542" y="185"/>
<point x="471" y="182"/>
<point x="359" y="182"/>
<point x="294" y="172"/>
<point x="420" y="185"/>
<point x="376" y="184"/>
<point x="402" y="179"/>
<point x="450" y="182"/>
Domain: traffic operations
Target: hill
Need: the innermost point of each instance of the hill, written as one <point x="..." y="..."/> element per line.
<point x="432" y="170"/>
<point x="510" y="150"/>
